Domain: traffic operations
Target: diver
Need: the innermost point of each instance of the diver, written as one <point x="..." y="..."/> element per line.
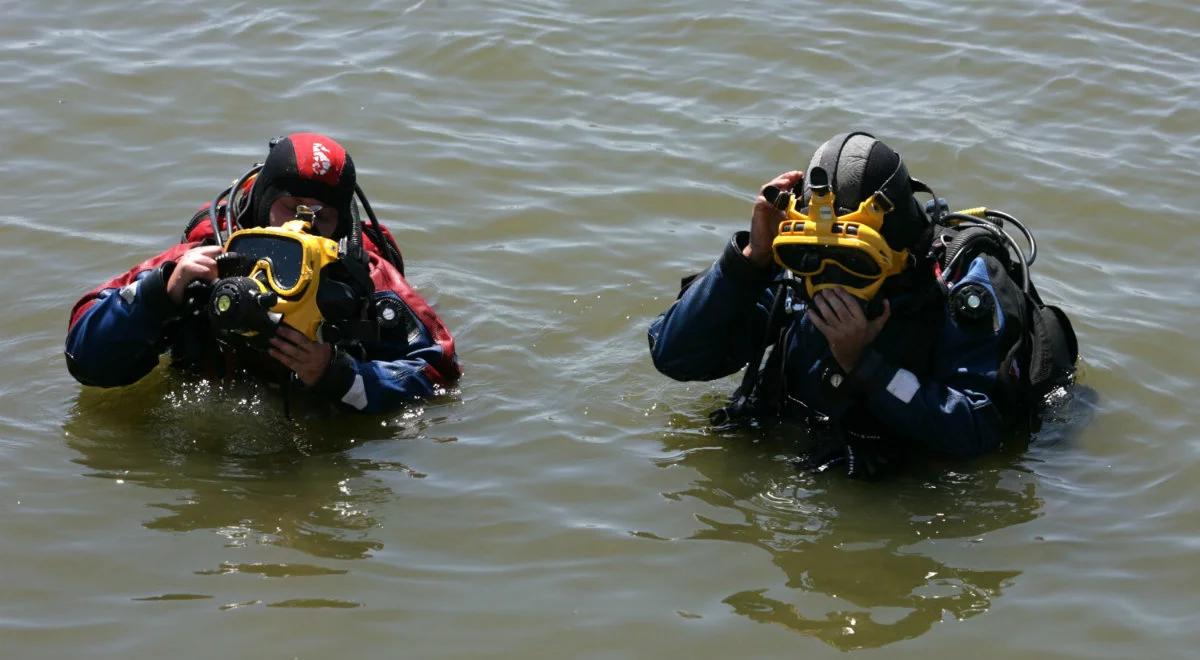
<point x="280" y="278"/>
<point x="884" y="327"/>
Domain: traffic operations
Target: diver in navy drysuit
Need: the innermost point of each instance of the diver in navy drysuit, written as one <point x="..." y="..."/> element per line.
<point x="118" y="330"/>
<point x="873" y="390"/>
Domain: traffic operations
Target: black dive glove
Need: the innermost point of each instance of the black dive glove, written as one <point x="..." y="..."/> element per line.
<point x="864" y="453"/>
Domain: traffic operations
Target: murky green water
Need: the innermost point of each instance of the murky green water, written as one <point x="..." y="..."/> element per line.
<point x="551" y="169"/>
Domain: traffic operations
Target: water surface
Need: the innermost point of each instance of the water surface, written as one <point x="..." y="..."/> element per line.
<point x="551" y="170"/>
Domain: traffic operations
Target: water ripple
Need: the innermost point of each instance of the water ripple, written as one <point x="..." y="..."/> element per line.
<point x="551" y="170"/>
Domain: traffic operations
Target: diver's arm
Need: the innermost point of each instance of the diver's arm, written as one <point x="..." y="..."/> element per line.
<point x="711" y="330"/>
<point x="414" y="360"/>
<point x="954" y="410"/>
<point x="718" y="319"/>
<point x="117" y="331"/>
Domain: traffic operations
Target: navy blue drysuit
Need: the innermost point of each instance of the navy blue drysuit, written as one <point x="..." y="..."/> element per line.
<point x="925" y="382"/>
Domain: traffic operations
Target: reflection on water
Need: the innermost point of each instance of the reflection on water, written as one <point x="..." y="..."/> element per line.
<point x="864" y="562"/>
<point x="237" y="466"/>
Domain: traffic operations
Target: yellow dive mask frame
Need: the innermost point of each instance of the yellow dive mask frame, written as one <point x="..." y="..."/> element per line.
<point x="836" y="251"/>
<point x="288" y="262"/>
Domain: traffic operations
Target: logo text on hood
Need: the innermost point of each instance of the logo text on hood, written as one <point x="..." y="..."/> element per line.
<point x="321" y="162"/>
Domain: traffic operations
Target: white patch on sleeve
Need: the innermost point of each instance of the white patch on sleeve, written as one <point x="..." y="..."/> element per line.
<point x="904" y="385"/>
<point x="129" y="291"/>
<point x="357" y="394"/>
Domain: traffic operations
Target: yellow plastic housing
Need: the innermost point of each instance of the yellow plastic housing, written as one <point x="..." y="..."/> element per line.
<point x="821" y="229"/>
<point x="297" y="304"/>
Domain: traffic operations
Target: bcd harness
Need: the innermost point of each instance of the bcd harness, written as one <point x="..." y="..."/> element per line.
<point x="1041" y="345"/>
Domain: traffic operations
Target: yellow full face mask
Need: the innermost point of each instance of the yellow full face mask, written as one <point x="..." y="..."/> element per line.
<point x="285" y="265"/>
<point x="829" y="250"/>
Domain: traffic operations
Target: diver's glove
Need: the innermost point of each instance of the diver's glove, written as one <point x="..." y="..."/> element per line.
<point x="339" y="376"/>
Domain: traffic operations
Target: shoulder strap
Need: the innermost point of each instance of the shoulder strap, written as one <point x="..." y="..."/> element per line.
<point x="750" y="393"/>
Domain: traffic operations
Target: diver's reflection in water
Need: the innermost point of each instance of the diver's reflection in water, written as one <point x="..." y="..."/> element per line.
<point x="236" y="465"/>
<point x="856" y="555"/>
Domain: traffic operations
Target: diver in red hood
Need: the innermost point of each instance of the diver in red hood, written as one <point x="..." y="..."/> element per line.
<point x="378" y="343"/>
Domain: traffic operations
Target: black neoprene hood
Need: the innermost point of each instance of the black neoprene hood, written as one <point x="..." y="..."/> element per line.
<point x="858" y="164"/>
<point x="304" y="165"/>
